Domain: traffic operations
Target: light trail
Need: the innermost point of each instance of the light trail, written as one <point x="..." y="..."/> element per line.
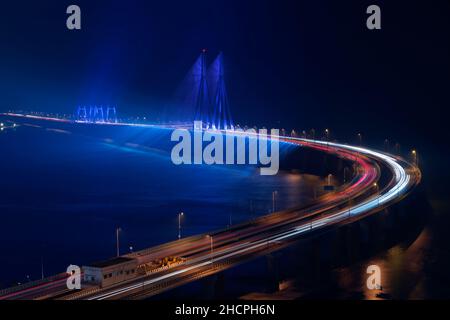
<point x="265" y="234"/>
<point x="402" y="181"/>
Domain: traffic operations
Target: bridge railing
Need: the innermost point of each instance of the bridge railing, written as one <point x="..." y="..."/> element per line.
<point x="31" y="284"/>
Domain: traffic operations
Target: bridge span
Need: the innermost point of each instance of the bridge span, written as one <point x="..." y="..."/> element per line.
<point x="207" y="254"/>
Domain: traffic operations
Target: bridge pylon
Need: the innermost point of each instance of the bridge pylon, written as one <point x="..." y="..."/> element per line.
<point x="221" y="119"/>
<point x="202" y="97"/>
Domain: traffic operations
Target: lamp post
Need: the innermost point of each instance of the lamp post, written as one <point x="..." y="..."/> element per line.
<point x="211" y="245"/>
<point x="345" y="175"/>
<point x="118" y="229"/>
<point x="179" y="224"/>
<point x="386" y="145"/>
<point x="274" y="194"/>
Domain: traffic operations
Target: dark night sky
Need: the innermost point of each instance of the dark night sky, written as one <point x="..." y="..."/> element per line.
<point x="290" y="64"/>
<point x="298" y="64"/>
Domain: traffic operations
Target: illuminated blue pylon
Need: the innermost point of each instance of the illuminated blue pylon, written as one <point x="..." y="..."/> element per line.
<point x="91" y="114"/>
<point x="100" y="116"/>
<point x="96" y="114"/>
<point x="111" y="115"/>
<point x="202" y="100"/>
<point x="82" y="114"/>
<point x="221" y="119"/>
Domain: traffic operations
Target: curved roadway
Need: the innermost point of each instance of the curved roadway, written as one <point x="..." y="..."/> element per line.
<point x="205" y="254"/>
<point x="363" y="196"/>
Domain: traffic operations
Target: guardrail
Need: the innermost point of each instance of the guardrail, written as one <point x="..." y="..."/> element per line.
<point x="81" y="293"/>
<point x="32" y="284"/>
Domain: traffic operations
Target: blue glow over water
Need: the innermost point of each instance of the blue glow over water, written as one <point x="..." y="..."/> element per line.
<point x="64" y="193"/>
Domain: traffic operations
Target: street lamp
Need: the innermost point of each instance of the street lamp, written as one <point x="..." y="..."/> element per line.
<point x="360" y="139"/>
<point x="327" y="133"/>
<point x="118" y="229"/>
<point x="211" y="243"/>
<point x="386" y="145"/>
<point x="414" y="154"/>
<point x="179" y="224"/>
<point x="42" y="267"/>
<point x="378" y="190"/>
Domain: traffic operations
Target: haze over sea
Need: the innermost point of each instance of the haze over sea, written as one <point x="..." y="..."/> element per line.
<point x="63" y="193"/>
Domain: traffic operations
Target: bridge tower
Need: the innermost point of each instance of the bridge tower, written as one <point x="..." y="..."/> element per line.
<point x="81" y="114"/>
<point x="221" y="115"/>
<point x="100" y="114"/>
<point x="202" y="99"/>
<point x="96" y="114"/>
<point x="111" y="115"/>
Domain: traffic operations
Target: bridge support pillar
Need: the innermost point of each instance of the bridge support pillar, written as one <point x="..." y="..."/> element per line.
<point x="273" y="268"/>
<point x="208" y="287"/>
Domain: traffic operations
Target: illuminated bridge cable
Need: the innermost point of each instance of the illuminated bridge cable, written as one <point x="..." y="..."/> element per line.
<point x="202" y="100"/>
<point x="221" y="115"/>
